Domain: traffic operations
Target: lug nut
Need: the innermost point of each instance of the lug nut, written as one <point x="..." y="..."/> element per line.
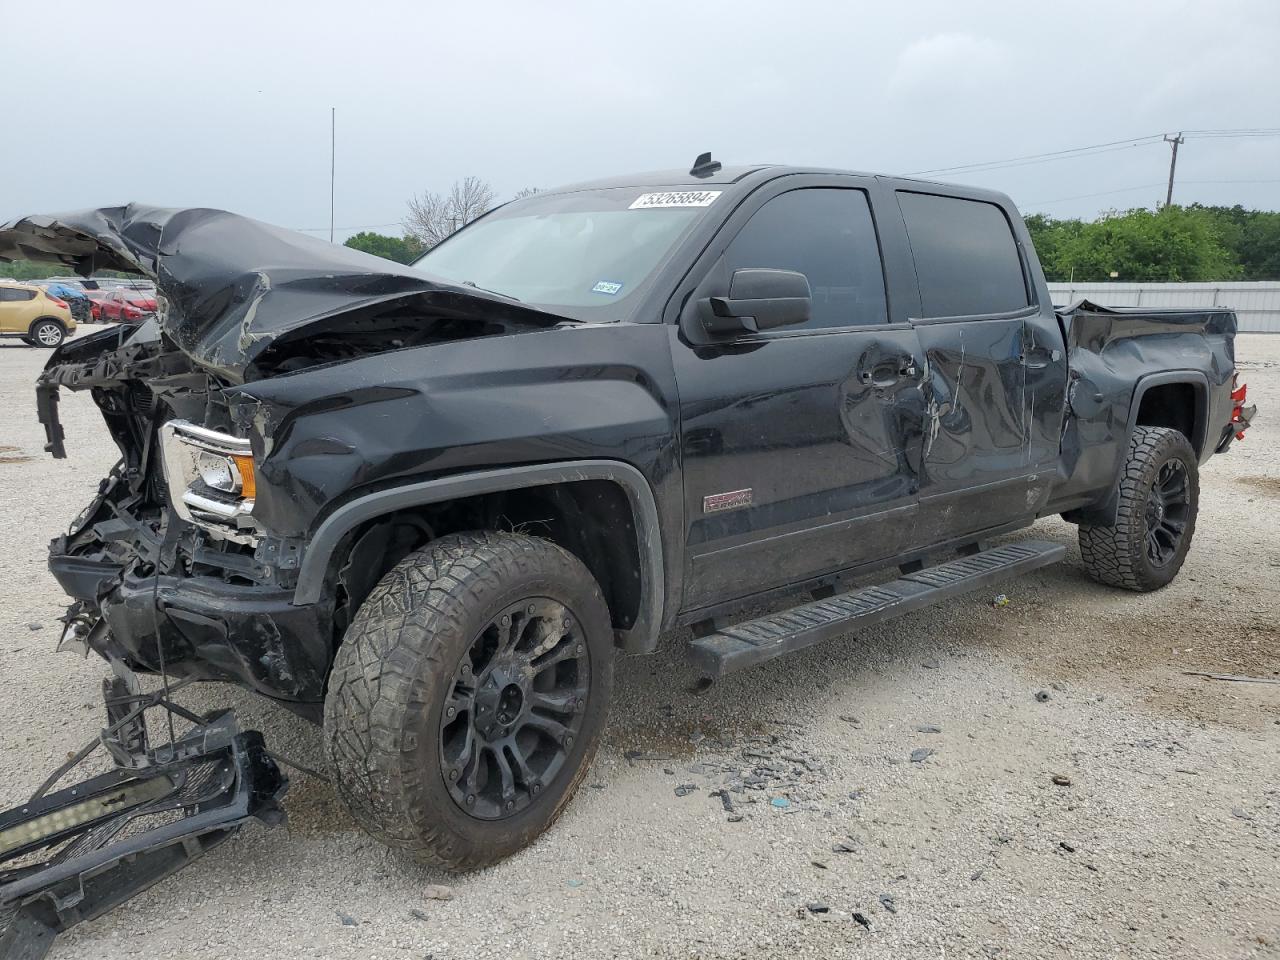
<point x="578" y="649"/>
<point x="568" y="740"/>
<point x="453" y="774"/>
<point x="449" y="711"/>
<point x="466" y="669"/>
<point x="511" y="804"/>
<point x="532" y="608"/>
<point x="568" y="622"/>
<point x="537" y="787"/>
<point x="505" y="621"/>
<point x="471" y="800"/>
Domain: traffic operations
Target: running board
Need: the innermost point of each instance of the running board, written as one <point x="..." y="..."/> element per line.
<point x="746" y="644"/>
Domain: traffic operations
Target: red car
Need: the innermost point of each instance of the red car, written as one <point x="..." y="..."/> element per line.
<point x="121" y="306"/>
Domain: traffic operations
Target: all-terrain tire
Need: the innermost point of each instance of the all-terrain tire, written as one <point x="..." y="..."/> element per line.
<point x="1119" y="554"/>
<point x="400" y="660"/>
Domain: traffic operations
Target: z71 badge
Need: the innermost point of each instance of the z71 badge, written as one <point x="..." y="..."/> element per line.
<point x="726" y="501"/>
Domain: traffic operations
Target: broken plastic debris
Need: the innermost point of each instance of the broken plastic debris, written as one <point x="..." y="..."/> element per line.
<point x="999" y="600"/>
<point x="780" y="802"/>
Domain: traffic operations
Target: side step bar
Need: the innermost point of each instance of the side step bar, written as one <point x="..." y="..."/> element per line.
<point x="746" y="644"/>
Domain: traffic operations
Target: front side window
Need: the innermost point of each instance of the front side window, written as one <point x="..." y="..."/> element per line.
<point x="829" y="236"/>
<point x="586" y="255"/>
<point x="966" y="259"/>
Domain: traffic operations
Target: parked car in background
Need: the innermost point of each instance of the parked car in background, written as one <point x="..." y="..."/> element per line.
<point x="124" y="306"/>
<point x="32" y="315"/>
<point x="79" y="303"/>
<point x="95" y="300"/>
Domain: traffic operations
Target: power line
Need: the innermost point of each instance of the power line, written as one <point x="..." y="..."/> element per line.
<point x="1043" y="157"/>
<point x="1086" y="196"/>
<point x="367" y="226"/>
<point x="1096" y="148"/>
<point x="1140" y="186"/>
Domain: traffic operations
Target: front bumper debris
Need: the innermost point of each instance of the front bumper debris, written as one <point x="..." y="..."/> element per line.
<point x="76" y="853"/>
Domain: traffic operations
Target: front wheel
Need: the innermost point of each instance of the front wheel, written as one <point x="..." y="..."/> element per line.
<point x="469" y="696"/>
<point x="1159" y="497"/>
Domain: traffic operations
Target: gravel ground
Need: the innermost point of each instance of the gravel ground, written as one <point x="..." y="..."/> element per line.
<point x="1163" y="844"/>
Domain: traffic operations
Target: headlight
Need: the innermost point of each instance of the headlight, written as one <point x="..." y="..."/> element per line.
<point x="210" y="478"/>
<point x="230" y="474"/>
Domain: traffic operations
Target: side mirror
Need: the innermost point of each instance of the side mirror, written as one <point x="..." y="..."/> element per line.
<point x="759" y="299"/>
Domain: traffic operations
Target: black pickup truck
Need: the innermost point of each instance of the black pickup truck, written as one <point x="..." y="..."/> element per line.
<point x="428" y="506"/>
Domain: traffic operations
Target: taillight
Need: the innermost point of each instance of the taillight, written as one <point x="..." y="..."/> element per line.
<point x="1238" y="397"/>
<point x="57" y="302"/>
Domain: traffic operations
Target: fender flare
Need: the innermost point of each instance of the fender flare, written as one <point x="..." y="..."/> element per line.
<point x="642" y="636"/>
<point x="1197" y="380"/>
<point x="1103" y="513"/>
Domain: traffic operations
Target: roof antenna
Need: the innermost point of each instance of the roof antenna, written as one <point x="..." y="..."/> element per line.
<point x="704" y="166"/>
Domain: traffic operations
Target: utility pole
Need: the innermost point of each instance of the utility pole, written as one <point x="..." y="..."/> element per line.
<point x="1173" y="163"/>
<point x="333" y="143"/>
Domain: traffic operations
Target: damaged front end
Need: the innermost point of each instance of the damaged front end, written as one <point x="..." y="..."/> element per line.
<point x="72" y="854"/>
<point x="173" y="554"/>
<point x="168" y="555"/>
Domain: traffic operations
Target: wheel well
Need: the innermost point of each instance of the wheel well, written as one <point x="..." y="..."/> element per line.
<point x="1174" y="405"/>
<point x="33" y="323"/>
<point x="592" y="519"/>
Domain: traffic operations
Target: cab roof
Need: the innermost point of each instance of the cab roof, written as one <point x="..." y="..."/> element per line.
<point x="751" y="175"/>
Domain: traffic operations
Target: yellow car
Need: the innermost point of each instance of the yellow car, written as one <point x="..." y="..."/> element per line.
<point x="35" y="316"/>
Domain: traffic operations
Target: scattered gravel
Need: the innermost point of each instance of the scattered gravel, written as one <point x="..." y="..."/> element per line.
<point x="1165" y="845"/>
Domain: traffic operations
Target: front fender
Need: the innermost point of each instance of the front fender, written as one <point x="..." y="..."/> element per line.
<point x="642" y="635"/>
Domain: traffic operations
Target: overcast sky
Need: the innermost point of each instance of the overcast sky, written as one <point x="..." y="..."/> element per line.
<point x="227" y="104"/>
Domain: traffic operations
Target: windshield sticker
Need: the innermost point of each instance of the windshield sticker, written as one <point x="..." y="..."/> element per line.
<point x="687" y="198"/>
<point x="607" y="286"/>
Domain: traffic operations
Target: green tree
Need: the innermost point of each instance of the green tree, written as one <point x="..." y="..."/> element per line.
<point x="404" y="249"/>
<point x="1172" y="244"/>
<point x="1050" y="238"/>
<point x="1252" y="236"/>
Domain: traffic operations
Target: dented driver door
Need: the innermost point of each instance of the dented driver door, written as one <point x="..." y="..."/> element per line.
<point x="800" y="445"/>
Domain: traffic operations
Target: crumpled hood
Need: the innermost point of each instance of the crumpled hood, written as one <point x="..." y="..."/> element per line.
<point x="232" y="286"/>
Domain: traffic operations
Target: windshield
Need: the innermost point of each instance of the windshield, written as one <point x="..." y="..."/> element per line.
<point x="586" y="255"/>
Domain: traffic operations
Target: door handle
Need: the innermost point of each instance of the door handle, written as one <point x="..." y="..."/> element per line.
<point x="888" y="372"/>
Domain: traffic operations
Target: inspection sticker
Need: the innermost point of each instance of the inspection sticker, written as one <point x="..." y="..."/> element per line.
<point x="682" y="198"/>
<point x="607" y="286"/>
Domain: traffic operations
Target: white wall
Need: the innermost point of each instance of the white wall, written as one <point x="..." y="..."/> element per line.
<point x="1256" y="304"/>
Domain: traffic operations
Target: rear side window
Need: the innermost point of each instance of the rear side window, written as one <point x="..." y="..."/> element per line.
<point x="966" y="260"/>
<point x="828" y="235"/>
<point x="15" y="295"/>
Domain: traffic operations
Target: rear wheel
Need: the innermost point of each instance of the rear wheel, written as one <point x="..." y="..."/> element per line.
<point x="1159" y="497"/>
<point x="469" y="697"/>
<point x="47" y="333"/>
